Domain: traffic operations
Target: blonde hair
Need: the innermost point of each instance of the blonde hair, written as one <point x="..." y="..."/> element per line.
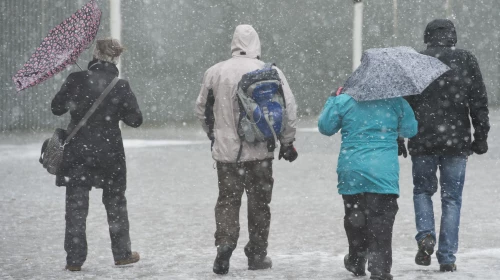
<point x="108" y="50"/>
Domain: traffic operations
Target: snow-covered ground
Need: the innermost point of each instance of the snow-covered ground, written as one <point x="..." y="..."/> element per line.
<point x="172" y="189"/>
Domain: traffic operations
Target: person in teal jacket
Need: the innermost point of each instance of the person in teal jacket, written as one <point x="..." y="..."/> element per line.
<point x="368" y="174"/>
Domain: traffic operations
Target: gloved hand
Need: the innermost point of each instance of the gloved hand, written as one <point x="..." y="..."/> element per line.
<point x="288" y="152"/>
<point x="479" y="147"/>
<point x="402" y="148"/>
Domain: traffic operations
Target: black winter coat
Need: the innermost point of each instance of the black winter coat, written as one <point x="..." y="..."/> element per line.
<point x="95" y="155"/>
<point x="443" y="109"/>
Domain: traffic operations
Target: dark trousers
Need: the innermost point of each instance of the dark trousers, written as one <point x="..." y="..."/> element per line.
<point x="256" y="179"/>
<point x="77" y="209"/>
<point x="368" y="222"/>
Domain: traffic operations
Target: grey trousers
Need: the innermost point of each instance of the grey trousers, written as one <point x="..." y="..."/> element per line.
<point x="256" y="179"/>
<point x="77" y="209"/>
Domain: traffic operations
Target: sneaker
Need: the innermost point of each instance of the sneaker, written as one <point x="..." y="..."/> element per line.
<point x="73" y="267"/>
<point x="134" y="257"/>
<point x="221" y="263"/>
<point x="259" y="263"/>
<point x="357" y="268"/>
<point x="425" y="250"/>
<point x="383" y="276"/>
<point x="447" y="267"/>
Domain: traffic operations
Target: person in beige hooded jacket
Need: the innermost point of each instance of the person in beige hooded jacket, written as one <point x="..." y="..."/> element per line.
<point x="241" y="166"/>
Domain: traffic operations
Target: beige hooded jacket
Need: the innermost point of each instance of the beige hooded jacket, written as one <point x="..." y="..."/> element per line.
<point x="223" y="79"/>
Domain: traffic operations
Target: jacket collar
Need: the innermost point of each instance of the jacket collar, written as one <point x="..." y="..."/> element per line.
<point x="99" y="65"/>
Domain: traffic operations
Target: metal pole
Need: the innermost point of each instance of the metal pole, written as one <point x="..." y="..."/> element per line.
<point x="115" y="19"/>
<point x="116" y="22"/>
<point x="357" y="34"/>
<point x="395" y="21"/>
<point x="448" y="8"/>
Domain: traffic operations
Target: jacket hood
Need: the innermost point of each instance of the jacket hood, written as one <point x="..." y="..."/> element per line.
<point x="440" y="32"/>
<point x="246" y="42"/>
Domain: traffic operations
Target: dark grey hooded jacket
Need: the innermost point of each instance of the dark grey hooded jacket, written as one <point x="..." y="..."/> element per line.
<point x="445" y="109"/>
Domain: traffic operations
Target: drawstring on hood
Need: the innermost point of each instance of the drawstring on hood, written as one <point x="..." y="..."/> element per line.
<point x="440" y="32"/>
<point x="246" y="42"/>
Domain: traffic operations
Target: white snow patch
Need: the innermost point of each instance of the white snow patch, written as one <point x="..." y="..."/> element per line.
<point x="142" y="143"/>
<point x="308" y="129"/>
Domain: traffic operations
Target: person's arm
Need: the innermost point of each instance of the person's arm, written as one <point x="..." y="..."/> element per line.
<point x="408" y="125"/>
<point x="130" y="112"/>
<point x="287" y="150"/>
<point x="478" y="105"/>
<point x="204" y="106"/>
<point x="288" y="135"/>
<point x="60" y="103"/>
<point x="330" y="120"/>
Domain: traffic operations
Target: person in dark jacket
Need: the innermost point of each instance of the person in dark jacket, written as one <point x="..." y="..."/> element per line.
<point x="95" y="157"/>
<point x="444" y="112"/>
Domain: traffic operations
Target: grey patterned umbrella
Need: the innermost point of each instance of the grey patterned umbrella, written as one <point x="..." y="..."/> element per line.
<point x="392" y="72"/>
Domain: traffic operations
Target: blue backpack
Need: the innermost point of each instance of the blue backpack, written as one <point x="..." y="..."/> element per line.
<point x="262" y="107"/>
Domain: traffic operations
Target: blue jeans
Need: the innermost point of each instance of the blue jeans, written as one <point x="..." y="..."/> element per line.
<point x="451" y="179"/>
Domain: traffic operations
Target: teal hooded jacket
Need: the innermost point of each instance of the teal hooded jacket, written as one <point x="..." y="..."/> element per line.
<point x="368" y="158"/>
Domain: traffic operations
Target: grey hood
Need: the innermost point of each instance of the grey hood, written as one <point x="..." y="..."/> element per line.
<point x="246" y="42"/>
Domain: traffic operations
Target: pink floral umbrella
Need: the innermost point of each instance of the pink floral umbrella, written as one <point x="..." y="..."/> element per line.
<point x="61" y="47"/>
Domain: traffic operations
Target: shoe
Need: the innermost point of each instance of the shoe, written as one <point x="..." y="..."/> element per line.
<point x="425" y="250"/>
<point x="259" y="263"/>
<point x="73" y="267"/>
<point x="383" y="276"/>
<point x="221" y="263"/>
<point x="447" y="267"/>
<point x="134" y="257"/>
<point x="357" y="268"/>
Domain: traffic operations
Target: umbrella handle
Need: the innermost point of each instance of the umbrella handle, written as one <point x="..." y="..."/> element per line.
<point x="78" y="66"/>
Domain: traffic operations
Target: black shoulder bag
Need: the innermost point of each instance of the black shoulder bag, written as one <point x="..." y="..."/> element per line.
<point x="51" y="156"/>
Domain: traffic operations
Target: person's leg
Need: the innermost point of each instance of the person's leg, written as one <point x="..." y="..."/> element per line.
<point x="77" y="209"/>
<point x="452" y="176"/>
<point x="259" y="188"/>
<point x="425" y="185"/>
<point x="381" y="212"/>
<point x="116" y="208"/>
<point x="227" y="209"/>
<point x="227" y="213"/>
<point x="356" y="231"/>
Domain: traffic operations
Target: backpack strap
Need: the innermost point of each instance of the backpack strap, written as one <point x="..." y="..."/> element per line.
<point x="242" y="115"/>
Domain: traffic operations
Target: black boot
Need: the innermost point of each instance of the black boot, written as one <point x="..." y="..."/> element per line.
<point x="255" y="263"/>
<point x="447" y="267"/>
<point x="357" y="267"/>
<point x="425" y="250"/>
<point x="221" y="263"/>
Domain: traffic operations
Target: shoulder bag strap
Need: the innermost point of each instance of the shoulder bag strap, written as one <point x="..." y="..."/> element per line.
<point x="92" y="109"/>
